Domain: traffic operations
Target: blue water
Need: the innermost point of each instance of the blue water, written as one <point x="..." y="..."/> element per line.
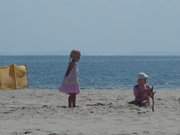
<point x="100" y="72"/>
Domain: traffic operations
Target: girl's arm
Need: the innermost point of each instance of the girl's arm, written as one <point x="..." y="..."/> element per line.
<point x="136" y="93"/>
<point x="150" y="91"/>
<point x="70" y="67"/>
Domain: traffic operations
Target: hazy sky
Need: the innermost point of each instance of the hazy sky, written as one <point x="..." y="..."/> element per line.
<point x="107" y="27"/>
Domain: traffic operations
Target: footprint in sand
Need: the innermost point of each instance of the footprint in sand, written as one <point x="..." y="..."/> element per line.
<point x="27" y="132"/>
<point x="57" y="134"/>
<point x="96" y="104"/>
<point x="99" y="104"/>
<point x="64" y="107"/>
<point x="53" y="134"/>
<point x="22" y="133"/>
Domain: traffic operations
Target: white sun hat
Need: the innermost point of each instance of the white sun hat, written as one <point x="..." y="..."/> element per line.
<point x="142" y="75"/>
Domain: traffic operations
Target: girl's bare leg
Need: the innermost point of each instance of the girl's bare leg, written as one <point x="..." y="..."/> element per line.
<point x="70" y="101"/>
<point x="74" y="100"/>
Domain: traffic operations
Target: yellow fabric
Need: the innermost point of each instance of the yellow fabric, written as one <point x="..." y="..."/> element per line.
<point x="13" y="77"/>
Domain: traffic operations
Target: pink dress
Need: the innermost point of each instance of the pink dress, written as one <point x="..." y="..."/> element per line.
<point x="70" y="83"/>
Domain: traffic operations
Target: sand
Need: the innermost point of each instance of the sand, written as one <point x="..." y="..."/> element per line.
<point x="99" y="112"/>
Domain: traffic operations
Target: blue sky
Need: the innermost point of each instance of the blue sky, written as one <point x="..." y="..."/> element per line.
<point x="96" y="27"/>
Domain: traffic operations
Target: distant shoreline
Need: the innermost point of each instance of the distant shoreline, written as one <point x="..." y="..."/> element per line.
<point x="98" y="90"/>
<point x="51" y="55"/>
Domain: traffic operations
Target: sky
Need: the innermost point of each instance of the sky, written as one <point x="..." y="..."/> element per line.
<point x="96" y="27"/>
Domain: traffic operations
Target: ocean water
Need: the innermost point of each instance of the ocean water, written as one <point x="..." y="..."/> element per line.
<point x="100" y="72"/>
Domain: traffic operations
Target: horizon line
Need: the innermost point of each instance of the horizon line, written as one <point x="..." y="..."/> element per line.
<point x="91" y="55"/>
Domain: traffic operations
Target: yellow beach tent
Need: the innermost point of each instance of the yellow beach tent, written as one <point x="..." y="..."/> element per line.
<point x="13" y="77"/>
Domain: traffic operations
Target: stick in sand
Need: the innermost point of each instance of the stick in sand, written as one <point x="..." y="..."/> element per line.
<point x="152" y="90"/>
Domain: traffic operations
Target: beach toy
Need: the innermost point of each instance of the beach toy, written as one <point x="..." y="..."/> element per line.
<point x="13" y="77"/>
<point x="21" y="71"/>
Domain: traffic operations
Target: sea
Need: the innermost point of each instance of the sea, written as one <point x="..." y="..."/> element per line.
<point x="100" y="72"/>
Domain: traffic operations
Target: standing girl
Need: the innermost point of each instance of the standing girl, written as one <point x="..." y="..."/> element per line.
<point x="70" y="84"/>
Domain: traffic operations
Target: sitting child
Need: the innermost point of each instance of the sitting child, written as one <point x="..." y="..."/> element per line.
<point x="142" y="91"/>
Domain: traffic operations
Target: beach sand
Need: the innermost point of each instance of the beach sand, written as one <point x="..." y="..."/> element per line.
<point x="99" y="112"/>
